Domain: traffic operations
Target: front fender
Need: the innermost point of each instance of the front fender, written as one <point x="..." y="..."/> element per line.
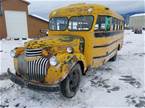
<point x="59" y="72"/>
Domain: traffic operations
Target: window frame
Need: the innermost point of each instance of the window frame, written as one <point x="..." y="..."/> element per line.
<point x="82" y="16"/>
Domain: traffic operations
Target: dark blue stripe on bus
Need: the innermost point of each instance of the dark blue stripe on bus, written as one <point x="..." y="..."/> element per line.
<point x="105" y="55"/>
<point x="107" y="34"/>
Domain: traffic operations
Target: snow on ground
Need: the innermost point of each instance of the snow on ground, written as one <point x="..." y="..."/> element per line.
<point x="117" y="84"/>
<point x="5" y="59"/>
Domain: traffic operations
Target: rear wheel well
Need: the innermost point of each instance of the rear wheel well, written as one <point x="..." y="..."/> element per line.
<point x="82" y="66"/>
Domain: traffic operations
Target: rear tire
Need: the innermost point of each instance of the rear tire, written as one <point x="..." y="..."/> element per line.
<point x="113" y="58"/>
<point x="70" y="85"/>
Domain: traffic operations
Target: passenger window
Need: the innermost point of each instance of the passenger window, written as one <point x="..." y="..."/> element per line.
<point x="100" y="26"/>
<point x="107" y="23"/>
<point x="118" y="24"/>
<point x="103" y="23"/>
<point x="113" y="23"/>
<point x="121" y="25"/>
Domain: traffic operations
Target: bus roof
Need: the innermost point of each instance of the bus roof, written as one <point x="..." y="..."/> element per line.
<point x="84" y="9"/>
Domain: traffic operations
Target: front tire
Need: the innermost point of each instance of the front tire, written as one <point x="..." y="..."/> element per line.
<point x="70" y="85"/>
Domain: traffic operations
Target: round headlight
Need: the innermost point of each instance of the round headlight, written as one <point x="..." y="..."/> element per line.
<point x="13" y="53"/>
<point x="53" y="61"/>
<point x="69" y="49"/>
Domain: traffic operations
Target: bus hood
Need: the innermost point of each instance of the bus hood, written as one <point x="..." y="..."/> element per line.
<point x="52" y="42"/>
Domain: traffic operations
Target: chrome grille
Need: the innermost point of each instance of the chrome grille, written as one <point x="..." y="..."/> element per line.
<point x="33" y="52"/>
<point x="37" y="69"/>
<point x="22" y="65"/>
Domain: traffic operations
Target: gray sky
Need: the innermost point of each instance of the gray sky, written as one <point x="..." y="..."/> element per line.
<point x="44" y="7"/>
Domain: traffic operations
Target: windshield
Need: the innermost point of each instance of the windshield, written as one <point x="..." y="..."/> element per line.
<point x="80" y="23"/>
<point x="76" y="23"/>
<point x="58" y="23"/>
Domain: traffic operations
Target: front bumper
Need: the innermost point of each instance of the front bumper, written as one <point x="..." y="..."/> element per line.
<point x="25" y="83"/>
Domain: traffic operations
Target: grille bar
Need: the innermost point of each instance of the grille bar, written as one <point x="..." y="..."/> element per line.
<point x="33" y="52"/>
<point x="37" y="49"/>
<point x="37" y="69"/>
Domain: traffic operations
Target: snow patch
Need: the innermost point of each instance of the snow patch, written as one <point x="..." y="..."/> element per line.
<point x="118" y="84"/>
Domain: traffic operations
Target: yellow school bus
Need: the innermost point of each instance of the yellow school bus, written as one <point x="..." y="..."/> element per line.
<point x="80" y="36"/>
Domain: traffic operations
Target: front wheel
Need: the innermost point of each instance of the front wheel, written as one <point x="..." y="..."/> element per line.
<point x="70" y="85"/>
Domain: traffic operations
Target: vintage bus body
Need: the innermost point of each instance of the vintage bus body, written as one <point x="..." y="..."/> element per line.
<point x="80" y="36"/>
<point x="100" y="46"/>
